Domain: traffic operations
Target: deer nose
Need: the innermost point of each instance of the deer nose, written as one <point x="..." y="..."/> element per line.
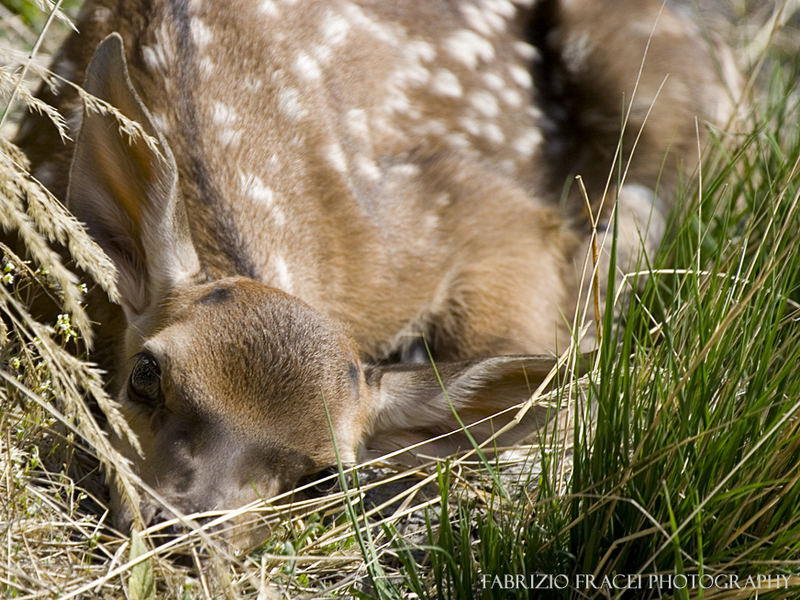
<point x="165" y="526"/>
<point x="167" y="532"/>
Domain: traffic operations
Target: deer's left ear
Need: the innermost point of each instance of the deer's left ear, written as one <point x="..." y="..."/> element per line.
<point x="125" y="190"/>
<point x="409" y="404"/>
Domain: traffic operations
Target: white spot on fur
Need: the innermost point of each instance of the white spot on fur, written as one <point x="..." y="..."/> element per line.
<point x="520" y="76"/>
<point x="160" y="55"/>
<point x="282" y="270"/>
<point x="336" y="157"/>
<point x="417" y="75"/>
<point x="387" y="128"/>
<point x="322" y="53"/>
<point x="641" y="219"/>
<point x="474" y="18"/>
<point x="258" y="190"/>
<point x="485" y="103"/>
<point x="379" y="31"/>
<point x="469" y="48"/>
<point x="493" y="133"/>
<point x="511" y="97"/>
<point x="306" y="67"/>
<point x="493" y="81"/>
<point x="527" y="143"/>
<point x="357" y="123"/>
<point x="526" y="51"/>
<point x="278" y="216"/>
<point x="224" y="114"/>
<point x="576" y="51"/>
<point x="508" y="166"/>
<point x="290" y="105"/>
<point x="643" y="103"/>
<point x="334" y="28"/>
<point x="405" y="170"/>
<point x="534" y="112"/>
<point x="421" y="50"/>
<point x="431" y="221"/>
<point x="155" y="57"/>
<point x="368" y="168"/>
<point x="483" y="21"/>
<point x="207" y="66"/>
<point x="470" y="125"/>
<point x="501" y="7"/>
<point x="201" y="34"/>
<point x="414" y="75"/>
<point x="229" y="137"/>
<point x="252" y="84"/>
<point x="459" y="140"/>
<point x="102" y="14"/>
<point x="433" y="127"/>
<point x="445" y="83"/>
<point x="269" y="8"/>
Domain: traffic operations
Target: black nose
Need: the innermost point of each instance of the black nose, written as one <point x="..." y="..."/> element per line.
<point x="167" y="532"/>
<point x="321" y="483"/>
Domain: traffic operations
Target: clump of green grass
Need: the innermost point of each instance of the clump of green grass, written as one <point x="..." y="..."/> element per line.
<point x="685" y="460"/>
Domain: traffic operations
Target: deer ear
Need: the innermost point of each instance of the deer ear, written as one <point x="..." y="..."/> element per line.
<point x="125" y="190"/>
<point x="410" y="405"/>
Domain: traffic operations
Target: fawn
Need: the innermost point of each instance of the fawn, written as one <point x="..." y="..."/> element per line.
<point x="331" y="181"/>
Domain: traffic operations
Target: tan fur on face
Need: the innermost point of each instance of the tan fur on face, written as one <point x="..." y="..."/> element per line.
<point x="253" y="357"/>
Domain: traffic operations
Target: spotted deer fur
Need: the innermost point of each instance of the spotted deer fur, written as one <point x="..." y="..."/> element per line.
<point x="335" y="181"/>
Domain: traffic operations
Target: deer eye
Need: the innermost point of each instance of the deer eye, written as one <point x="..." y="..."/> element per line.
<point x="145" y="380"/>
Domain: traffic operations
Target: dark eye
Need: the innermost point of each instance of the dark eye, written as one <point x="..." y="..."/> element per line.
<point x="322" y="482"/>
<point x="145" y="381"/>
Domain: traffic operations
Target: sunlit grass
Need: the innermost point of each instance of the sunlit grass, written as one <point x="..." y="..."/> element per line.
<point x="685" y="462"/>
